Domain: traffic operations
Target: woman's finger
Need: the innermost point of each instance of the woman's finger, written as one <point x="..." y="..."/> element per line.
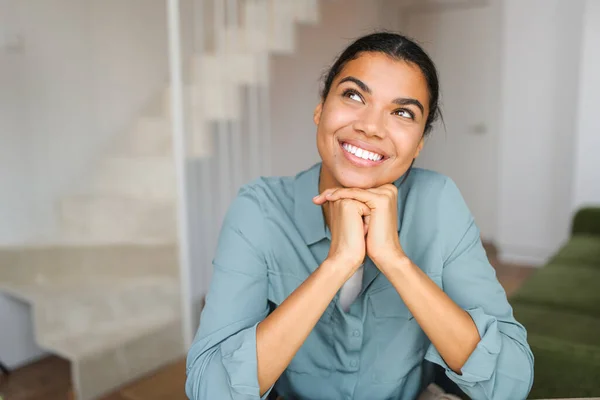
<point x="320" y="198"/>
<point x="364" y="196"/>
<point x="366" y="220"/>
<point x="387" y="190"/>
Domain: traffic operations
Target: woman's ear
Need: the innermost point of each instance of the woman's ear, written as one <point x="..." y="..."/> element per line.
<point x="317" y="113"/>
<point x="419" y="147"/>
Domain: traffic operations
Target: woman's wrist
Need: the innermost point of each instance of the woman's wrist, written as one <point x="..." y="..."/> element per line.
<point x="393" y="259"/>
<point x="340" y="267"/>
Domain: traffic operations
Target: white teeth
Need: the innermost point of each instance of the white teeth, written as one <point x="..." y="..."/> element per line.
<point x="364" y="154"/>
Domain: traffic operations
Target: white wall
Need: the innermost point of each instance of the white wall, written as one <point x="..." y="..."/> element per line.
<point x="465" y="146"/>
<point x="15" y="176"/>
<point x="587" y="162"/>
<point x="541" y="58"/>
<point x="295" y="81"/>
<point x="16" y="342"/>
<point x="86" y="70"/>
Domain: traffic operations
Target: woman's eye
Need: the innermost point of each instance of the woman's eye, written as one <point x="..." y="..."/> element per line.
<point x="353" y="95"/>
<point x="404" y="113"/>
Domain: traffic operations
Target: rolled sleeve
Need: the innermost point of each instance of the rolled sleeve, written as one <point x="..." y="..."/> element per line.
<point x="481" y="364"/>
<point x="501" y="366"/>
<point x="239" y="360"/>
<point x="222" y="361"/>
<point x="228" y="371"/>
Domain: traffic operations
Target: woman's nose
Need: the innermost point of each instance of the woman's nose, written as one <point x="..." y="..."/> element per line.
<point x="370" y="123"/>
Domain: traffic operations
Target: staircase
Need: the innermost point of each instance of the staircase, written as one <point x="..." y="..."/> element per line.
<point x="105" y="294"/>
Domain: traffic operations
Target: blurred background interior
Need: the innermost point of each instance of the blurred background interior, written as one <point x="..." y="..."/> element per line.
<point x="127" y="126"/>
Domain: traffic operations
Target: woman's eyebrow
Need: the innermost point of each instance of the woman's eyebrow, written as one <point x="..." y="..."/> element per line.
<point x="363" y="86"/>
<point x="401" y="101"/>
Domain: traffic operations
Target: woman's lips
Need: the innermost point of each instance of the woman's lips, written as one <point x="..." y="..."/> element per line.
<point x="359" y="161"/>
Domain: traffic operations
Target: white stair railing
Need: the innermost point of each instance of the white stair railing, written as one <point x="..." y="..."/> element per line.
<point x="224" y="120"/>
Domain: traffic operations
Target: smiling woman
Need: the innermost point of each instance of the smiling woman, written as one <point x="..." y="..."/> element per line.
<point x="355" y="277"/>
<point x="383" y="100"/>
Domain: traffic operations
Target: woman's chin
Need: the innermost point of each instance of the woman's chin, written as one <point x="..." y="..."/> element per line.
<point x="351" y="179"/>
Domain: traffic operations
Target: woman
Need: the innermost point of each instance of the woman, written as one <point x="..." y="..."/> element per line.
<point x="352" y="279"/>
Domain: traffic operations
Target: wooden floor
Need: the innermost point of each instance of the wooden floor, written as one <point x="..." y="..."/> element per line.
<point x="48" y="379"/>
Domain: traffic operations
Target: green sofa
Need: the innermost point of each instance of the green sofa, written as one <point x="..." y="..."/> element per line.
<point x="560" y="307"/>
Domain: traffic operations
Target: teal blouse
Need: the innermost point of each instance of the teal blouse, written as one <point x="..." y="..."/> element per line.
<point x="273" y="237"/>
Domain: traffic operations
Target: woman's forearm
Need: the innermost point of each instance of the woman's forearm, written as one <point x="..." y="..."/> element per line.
<point x="449" y="327"/>
<point x="280" y="335"/>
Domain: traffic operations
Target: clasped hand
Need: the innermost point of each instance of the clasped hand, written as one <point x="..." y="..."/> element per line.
<point x="362" y="222"/>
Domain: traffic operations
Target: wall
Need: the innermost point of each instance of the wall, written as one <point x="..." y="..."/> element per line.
<point x="295" y="81"/>
<point x="15" y="174"/>
<point x="540" y="62"/>
<point x="87" y="68"/>
<point x="587" y="162"/>
<point x="465" y="146"/>
<point x="16" y="342"/>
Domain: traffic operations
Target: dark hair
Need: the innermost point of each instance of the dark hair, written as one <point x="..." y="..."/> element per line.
<point x="398" y="47"/>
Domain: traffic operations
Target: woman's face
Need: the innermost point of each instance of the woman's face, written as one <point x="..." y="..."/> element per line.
<point x="370" y="126"/>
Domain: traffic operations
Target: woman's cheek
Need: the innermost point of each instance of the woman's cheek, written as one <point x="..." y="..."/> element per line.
<point x="337" y="118"/>
<point x="405" y="138"/>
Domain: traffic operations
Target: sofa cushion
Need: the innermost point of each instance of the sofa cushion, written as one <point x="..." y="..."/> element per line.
<point x="579" y="250"/>
<point x="567" y="326"/>
<point x="564" y="369"/>
<point x="566" y="348"/>
<point x="564" y="288"/>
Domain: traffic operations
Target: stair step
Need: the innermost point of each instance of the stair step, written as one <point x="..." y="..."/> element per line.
<point x="282" y="33"/>
<point x="269" y="28"/>
<point x="28" y="271"/>
<point x="114" y="219"/>
<point x="150" y="136"/>
<point x="306" y="11"/>
<point x="238" y="68"/>
<point x="100" y="307"/>
<point x="138" y="356"/>
<point x="77" y="308"/>
<point x="217" y="79"/>
<point x="150" y="178"/>
<point x="214" y="94"/>
<point x="104" y="337"/>
<point x="102" y="362"/>
<point x="200" y="141"/>
<point x="210" y="98"/>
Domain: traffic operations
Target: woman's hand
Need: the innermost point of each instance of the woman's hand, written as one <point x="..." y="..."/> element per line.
<point x="346" y="223"/>
<point x="382" y="241"/>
